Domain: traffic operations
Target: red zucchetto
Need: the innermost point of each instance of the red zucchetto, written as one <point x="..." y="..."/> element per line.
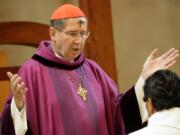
<point x="67" y="11"/>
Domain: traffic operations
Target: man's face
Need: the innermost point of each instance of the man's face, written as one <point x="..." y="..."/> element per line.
<point x="69" y="42"/>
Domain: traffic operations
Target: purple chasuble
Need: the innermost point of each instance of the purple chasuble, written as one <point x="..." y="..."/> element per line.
<point x="55" y="108"/>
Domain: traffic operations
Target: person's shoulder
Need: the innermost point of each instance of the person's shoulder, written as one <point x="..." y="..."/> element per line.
<point x="138" y="132"/>
<point x="95" y="67"/>
<point x="143" y="131"/>
<point x="29" y="65"/>
<point x="92" y="64"/>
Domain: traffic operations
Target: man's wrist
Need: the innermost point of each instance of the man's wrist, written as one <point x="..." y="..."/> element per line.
<point x="19" y="103"/>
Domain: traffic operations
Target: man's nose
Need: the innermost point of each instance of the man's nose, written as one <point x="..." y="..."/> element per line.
<point x="78" y="38"/>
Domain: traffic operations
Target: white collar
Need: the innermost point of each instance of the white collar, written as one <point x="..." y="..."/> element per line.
<point x="60" y="57"/>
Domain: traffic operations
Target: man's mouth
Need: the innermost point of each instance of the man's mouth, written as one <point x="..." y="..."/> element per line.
<point x="75" y="49"/>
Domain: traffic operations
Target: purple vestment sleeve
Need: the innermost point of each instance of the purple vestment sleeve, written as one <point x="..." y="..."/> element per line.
<point x="7" y="126"/>
<point x="6" y="121"/>
<point x="130" y="111"/>
<point x="124" y="107"/>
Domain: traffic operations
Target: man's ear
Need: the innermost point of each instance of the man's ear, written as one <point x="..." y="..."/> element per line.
<point x="52" y="33"/>
<point x="150" y="106"/>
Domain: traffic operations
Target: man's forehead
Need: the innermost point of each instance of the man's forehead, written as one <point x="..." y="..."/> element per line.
<point x="75" y="23"/>
<point x="77" y="19"/>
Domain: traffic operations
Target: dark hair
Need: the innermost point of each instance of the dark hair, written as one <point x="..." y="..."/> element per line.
<point x="58" y="23"/>
<point x="61" y="23"/>
<point x="163" y="87"/>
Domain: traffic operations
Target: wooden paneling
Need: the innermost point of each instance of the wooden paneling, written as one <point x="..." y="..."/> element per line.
<point x="23" y="33"/>
<point x="3" y="84"/>
<point x="4" y="70"/>
<point x="100" y="45"/>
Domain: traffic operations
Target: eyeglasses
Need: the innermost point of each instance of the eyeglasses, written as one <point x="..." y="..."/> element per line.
<point x="74" y="34"/>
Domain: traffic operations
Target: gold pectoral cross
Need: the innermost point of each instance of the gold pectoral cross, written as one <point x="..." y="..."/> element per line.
<point x="82" y="92"/>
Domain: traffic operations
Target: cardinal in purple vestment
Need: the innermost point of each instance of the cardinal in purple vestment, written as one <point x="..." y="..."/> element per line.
<point x="61" y="92"/>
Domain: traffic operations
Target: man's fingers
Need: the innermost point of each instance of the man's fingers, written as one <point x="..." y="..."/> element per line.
<point x="15" y="82"/>
<point x="13" y="78"/>
<point x="170" y="64"/>
<point x="153" y="54"/>
<point x="172" y="57"/>
<point x="24" y="91"/>
<point x="21" y="88"/>
<point x="171" y="51"/>
<point x="9" y="74"/>
<point x="169" y="60"/>
<point x="166" y="54"/>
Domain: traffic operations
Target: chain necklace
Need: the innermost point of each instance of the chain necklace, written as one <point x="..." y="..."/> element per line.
<point x="82" y="92"/>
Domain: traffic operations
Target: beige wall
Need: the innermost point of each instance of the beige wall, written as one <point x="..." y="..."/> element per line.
<point x="29" y="10"/>
<point x="139" y="27"/>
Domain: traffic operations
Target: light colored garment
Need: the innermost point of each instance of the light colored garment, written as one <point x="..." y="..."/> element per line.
<point x="19" y="119"/>
<point x="166" y="122"/>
